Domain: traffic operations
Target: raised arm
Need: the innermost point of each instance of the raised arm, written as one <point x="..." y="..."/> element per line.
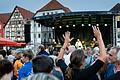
<point x="66" y="42"/>
<point x="98" y="35"/>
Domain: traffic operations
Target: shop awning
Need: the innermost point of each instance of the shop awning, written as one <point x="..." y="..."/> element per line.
<point x="8" y="42"/>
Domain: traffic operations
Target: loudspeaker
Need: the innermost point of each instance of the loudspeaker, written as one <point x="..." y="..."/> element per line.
<point x="27" y="28"/>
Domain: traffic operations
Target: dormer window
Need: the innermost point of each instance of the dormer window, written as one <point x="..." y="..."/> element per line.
<point x="47" y="13"/>
<point x="17" y="14"/>
<point x="51" y="12"/>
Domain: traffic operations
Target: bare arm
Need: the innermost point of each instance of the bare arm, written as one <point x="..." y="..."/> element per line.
<point x="66" y="42"/>
<point x="98" y="35"/>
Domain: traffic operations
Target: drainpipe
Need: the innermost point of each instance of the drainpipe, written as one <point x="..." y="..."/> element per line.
<point x="114" y="31"/>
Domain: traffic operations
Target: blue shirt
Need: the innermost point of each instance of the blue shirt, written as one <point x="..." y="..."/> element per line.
<point x="109" y="71"/>
<point x="43" y="53"/>
<point x="25" y="70"/>
<point x="89" y="60"/>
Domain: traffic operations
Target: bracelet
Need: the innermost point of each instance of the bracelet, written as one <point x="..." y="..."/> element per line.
<point x="63" y="48"/>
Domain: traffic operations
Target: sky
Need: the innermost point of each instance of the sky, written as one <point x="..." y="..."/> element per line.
<point x="74" y="5"/>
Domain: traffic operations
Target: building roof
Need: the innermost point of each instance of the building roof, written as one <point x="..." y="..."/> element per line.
<point x="73" y="14"/>
<point x="25" y="13"/>
<point x="116" y="8"/>
<point x="75" y="18"/>
<point x="4" y="17"/>
<point x="54" y="5"/>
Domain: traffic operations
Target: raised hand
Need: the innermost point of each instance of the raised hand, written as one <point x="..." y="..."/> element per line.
<point x="98" y="35"/>
<point x="96" y="32"/>
<point x="67" y="38"/>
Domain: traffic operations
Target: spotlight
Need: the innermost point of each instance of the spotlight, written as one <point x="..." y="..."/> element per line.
<point x="97" y="24"/>
<point x="89" y="24"/>
<point x="53" y="27"/>
<point x="60" y="26"/>
<point x="105" y="24"/>
<point x="67" y="25"/>
<point x="73" y="25"/>
<point x="82" y="24"/>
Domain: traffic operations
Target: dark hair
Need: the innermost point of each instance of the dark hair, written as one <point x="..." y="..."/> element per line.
<point x="5" y="67"/>
<point x="3" y="52"/>
<point x="28" y="54"/>
<point x="76" y="60"/>
<point x="42" y="63"/>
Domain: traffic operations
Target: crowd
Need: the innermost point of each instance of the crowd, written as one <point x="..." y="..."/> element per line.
<point x="68" y="63"/>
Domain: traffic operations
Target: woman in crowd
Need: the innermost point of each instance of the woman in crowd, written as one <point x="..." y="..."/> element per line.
<point x="76" y="70"/>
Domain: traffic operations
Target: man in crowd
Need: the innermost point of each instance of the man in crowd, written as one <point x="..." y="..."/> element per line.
<point x="113" y="69"/>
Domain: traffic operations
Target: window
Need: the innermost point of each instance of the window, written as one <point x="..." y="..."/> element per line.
<point x="38" y="35"/>
<point x="118" y="34"/>
<point x="47" y="13"/>
<point x="45" y="35"/>
<point x="51" y="12"/>
<point x="49" y="35"/>
<point x="43" y="14"/>
<point x="18" y="32"/>
<point x="19" y="22"/>
<point x="34" y="36"/>
<point x="17" y="14"/>
<point x="18" y="36"/>
<point x="12" y="33"/>
<point x="7" y="33"/>
<point x="118" y="24"/>
<point x="39" y="24"/>
<point x="13" y="22"/>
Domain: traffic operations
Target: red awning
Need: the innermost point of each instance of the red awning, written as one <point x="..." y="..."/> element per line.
<point x="7" y="42"/>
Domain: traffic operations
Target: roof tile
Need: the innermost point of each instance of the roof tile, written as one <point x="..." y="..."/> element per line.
<point x="54" y="5"/>
<point x="25" y="13"/>
<point x="4" y="17"/>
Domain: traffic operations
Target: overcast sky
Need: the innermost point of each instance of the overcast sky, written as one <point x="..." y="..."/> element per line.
<point x="74" y="5"/>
